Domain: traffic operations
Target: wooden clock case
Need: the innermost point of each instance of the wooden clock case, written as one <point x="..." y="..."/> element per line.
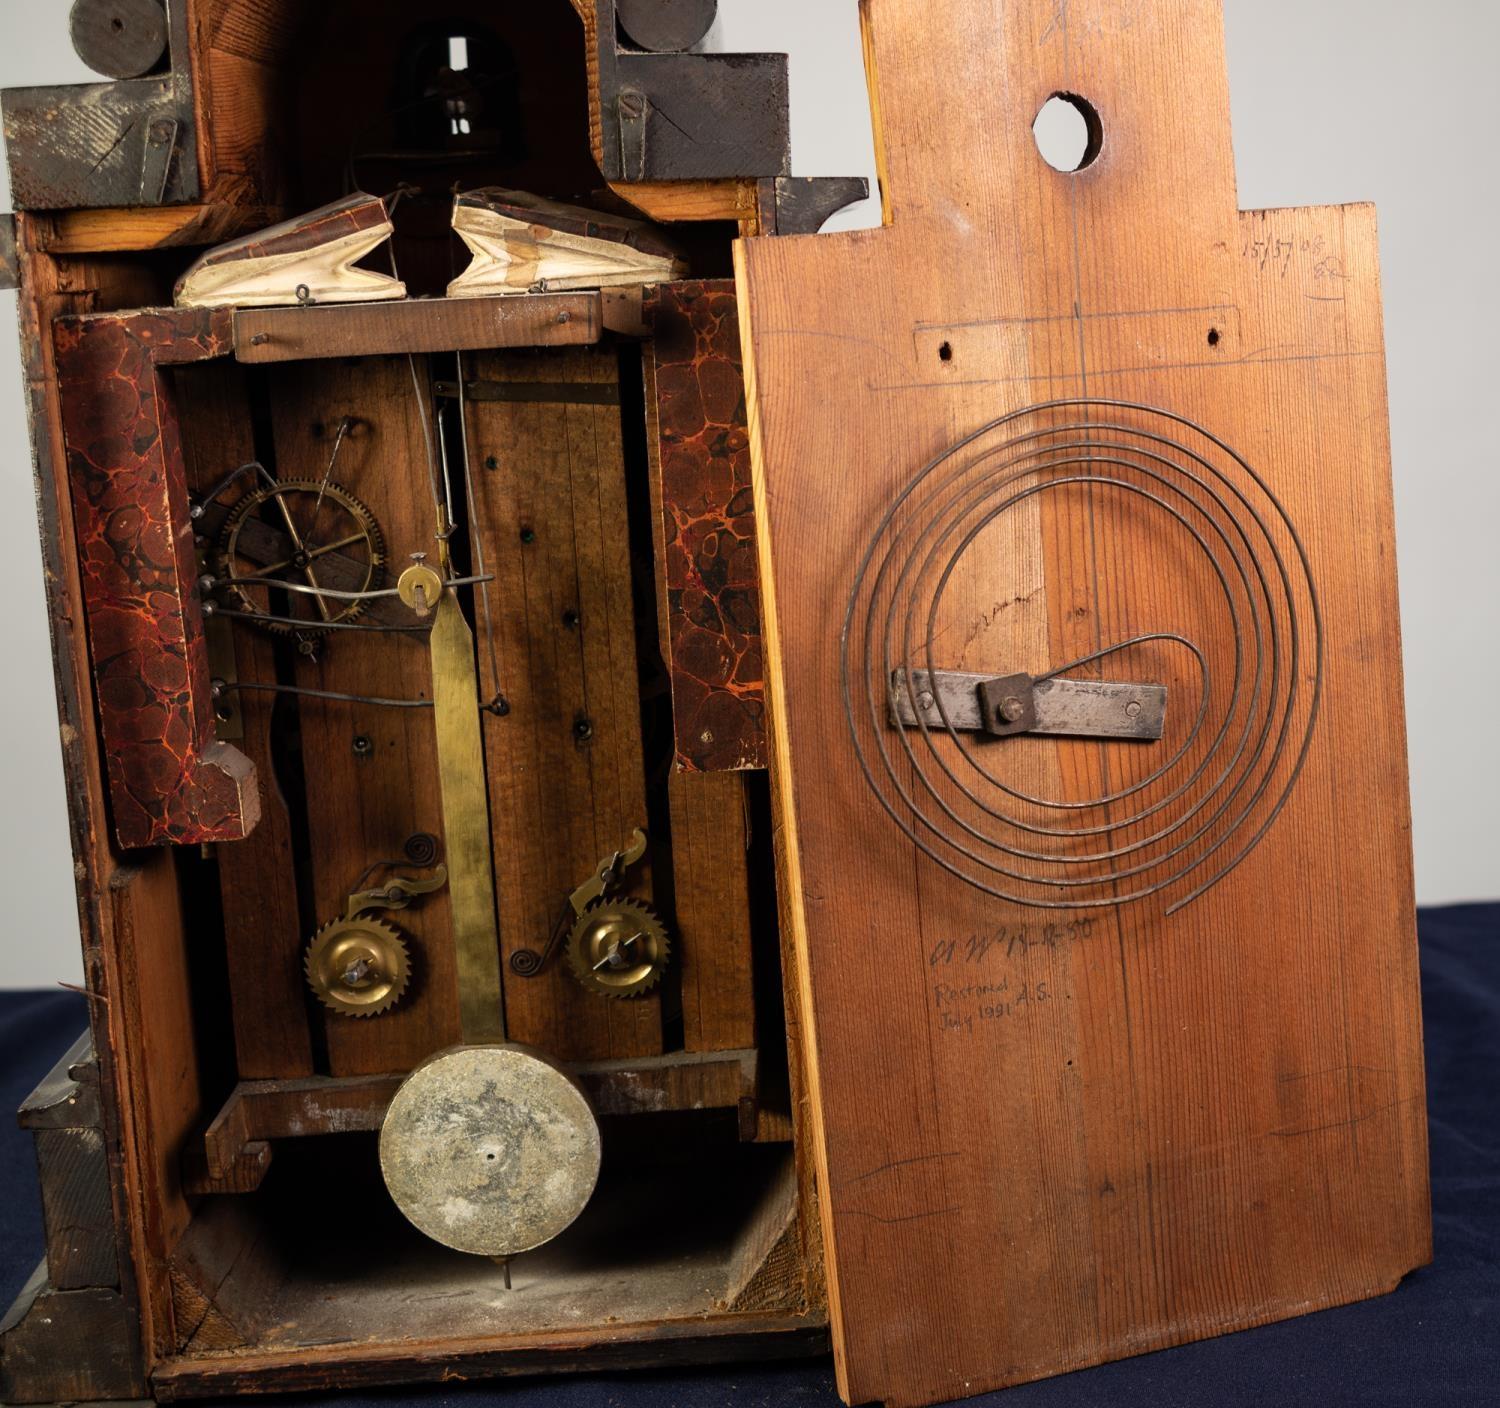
<point x="812" y="1133"/>
<point x="216" y="1220"/>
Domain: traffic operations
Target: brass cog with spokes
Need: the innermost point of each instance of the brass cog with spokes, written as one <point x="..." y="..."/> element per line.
<point x="306" y="533"/>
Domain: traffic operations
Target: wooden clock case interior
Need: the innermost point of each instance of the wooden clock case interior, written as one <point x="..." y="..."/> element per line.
<point x="258" y="1248"/>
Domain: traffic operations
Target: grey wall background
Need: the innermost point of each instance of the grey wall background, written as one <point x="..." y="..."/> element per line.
<point x="39" y="940"/>
<point x="1339" y="100"/>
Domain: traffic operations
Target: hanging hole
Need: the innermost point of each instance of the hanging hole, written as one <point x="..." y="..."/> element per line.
<point x="945" y="352"/>
<point x="1213" y="337"/>
<point x="1068" y="132"/>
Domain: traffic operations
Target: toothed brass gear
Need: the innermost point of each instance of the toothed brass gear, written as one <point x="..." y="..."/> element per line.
<point x="358" y="967"/>
<point x="306" y="521"/>
<point x="618" y="948"/>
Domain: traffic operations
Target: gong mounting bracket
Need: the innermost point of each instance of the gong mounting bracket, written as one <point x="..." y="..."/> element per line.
<point x="1005" y="705"/>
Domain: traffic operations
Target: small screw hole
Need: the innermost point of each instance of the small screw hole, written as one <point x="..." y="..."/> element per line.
<point x="945" y="352"/>
<point x="1213" y="337"/>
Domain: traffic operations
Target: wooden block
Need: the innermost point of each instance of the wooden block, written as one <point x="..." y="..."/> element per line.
<point x="701" y="462"/>
<point x="710" y="832"/>
<point x="691" y="120"/>
<point x="242" y="1171"/>
<point x="74" y="1173"/>
<point x="1109" y="1118"/>
<point x="68" y="1096"/>
<point x="149" y="227"/>
<point x="69" y="1346"/>
<point x="170" y="781"/>
<point x="770" y="1274"/>
<point x="416" y="325"/>
<point x="242" y="50"/>
<point x="731" y="199"/>
<point x="64" y="1115"/>
<point x="156" y="1019"/>
<point x="711" y="893"/>
<point x="234" y="1149"/>
<point x="675" y="1344"/>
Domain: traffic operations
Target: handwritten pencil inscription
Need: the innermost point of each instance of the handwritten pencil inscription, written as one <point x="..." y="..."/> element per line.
<point x="1009" y="941"/>
<point x="1277" y="255"/>
<point x="964" y="1001"/>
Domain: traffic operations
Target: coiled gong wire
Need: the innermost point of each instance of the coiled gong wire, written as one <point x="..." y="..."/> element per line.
<point x="1214" y="811"/>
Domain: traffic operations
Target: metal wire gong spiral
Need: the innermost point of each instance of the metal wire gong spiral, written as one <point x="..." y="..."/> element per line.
<point x="1239" y="622"/>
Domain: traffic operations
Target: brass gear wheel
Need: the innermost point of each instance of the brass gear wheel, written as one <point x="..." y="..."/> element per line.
<point x="358" y="967"/>
<point x="313" y="520"/>
<point x="618" y="948"/>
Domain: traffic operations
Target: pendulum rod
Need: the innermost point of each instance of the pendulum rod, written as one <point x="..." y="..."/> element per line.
<point x="476" y="537"/>
<point x="461" y="781"/>
<point x="466" y="824"/>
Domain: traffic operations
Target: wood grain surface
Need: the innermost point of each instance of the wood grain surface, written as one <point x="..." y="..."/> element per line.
<point x="709" y="816"/>
<point x="263" y="931"/>
<point x="567" y="780"/>
<point x="1049" y="1138"/>
<point x="700" y="464"/>
<point x="416" y="325"/>
<point x="370" y="771"/>
<point x="51" y="288"/>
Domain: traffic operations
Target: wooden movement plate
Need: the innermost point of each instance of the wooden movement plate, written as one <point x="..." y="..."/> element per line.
<point x="1085" y="1095"/>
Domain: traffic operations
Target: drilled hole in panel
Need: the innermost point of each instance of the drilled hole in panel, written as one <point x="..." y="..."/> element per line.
<point x="1068" y="132"/>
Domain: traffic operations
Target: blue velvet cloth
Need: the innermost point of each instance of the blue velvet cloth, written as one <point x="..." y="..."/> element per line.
<point x="1435" y="1341"/>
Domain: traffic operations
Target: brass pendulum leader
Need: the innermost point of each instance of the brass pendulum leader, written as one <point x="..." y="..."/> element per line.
<point x="466" y="818"/>
<point x="488" y="1147"/>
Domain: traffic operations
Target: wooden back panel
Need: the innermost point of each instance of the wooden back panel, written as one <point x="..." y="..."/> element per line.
<point x="567" y="780"/>
<point x="371" y="771"/>
<point x="1053" y="1137"/>
<point x="263" y="930"/>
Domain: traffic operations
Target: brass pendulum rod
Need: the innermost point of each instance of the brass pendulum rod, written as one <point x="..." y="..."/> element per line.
<point x="466" y="824"/>
<point x="461" y="774"/>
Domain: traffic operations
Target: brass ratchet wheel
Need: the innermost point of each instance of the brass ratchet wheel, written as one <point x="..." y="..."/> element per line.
<point x="306" y="534"/>
<point x="358" y="967"/>
<point x="618" y="948"/>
